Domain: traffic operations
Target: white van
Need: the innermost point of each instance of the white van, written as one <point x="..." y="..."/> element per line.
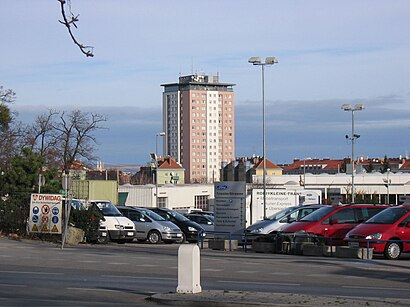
<point x="116" y="227"/>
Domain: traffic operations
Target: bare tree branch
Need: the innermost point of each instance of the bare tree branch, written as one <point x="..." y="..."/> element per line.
<point x="68" y="22"/>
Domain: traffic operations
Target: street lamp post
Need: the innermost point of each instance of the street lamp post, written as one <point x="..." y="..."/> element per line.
<point x="268" y="61"/>
<point x="349" y="107"/>
<point x="154" y="156"/>
<point x="387" y="184"/>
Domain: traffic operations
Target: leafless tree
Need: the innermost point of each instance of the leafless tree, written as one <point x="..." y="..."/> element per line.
<point x="74" y="136"/>
<point x="71" y="21"/>
<point x="42" y="137"/>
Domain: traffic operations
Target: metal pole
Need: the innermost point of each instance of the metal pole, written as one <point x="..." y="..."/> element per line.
<point x="353" y="164"/>
<point x="264" y="141"/>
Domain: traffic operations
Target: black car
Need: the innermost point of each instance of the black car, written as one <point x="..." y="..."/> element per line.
<point x="189" y="228"/>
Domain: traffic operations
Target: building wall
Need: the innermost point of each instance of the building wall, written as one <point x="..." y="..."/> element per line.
<point x="372" y="185"/>
<point x="177" y="197"/>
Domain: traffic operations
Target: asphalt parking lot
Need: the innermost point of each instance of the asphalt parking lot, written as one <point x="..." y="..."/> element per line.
<point x="42" y="274"/>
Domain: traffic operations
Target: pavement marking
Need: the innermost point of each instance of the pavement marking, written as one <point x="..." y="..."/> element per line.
<point x="281" y="273"/>
<point x="138" y="277"/>
<point x="93" y="289"/>
<point x="258" y="283"/>
<point x="34" y="273"/>
<point x="213" y="270"/>
<point x="13" y="285"/>
<point x="376" y="288"/>
<point x="118" y="263"/>
<point x="247" y="272"/>
<point x="353" y="277"/>
<point x="173" y="267"/>
<point x="5" y="256"/>
<point x="87" y="261"/>
<point x="397" y="278"/>
<point x="146" y="265"/>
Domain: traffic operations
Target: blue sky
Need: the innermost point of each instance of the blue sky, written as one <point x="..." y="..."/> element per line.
<point x="329" y="52"/>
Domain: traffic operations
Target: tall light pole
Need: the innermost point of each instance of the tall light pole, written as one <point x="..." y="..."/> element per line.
<point x="349" y="107"/>
<point x="387" y="184"/>
<point x="268" y="61"/>
<point x="154" y="156"/>
<point x="156" y="141"/>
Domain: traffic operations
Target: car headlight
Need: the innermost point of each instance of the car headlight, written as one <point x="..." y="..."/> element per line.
<point x="191" y="228"/>
<point x="375" y="236"/>
<point x="257" y="230"/>
<point x="166" y="229"/>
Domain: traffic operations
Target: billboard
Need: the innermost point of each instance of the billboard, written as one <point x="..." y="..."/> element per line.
<point x="279" y="199"/>
<point x="45" y="213"/>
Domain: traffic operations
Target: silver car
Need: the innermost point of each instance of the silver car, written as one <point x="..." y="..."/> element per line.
<point x="276" y="221"/>
<point x="206" y="221"/>
<point x="151" y="226"/>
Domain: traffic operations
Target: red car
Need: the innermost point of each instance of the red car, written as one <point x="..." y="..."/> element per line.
<point x="392" y="224"/>
<point x="333" y="221"/>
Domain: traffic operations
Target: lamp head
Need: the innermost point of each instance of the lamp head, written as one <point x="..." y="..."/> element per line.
<point x="347" y="107"/>
<point x="358" y="107"/>
<point x="271" y="60"/>
<point x="255" y="60"/>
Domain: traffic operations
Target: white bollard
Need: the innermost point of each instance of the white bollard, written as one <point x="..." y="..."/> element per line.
<point x="189" y="269"/>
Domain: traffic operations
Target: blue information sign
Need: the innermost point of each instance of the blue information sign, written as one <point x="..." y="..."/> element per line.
<point x="36" y="210"/>
<point x="35" y="218"/>
<point x="55" y="219"/>
<point x="55" y="211"/>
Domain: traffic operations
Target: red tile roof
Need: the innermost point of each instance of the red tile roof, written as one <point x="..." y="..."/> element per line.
<point x="326" y="164"/>
<point x="168" y="163"/>
<point x="269" y="164"/>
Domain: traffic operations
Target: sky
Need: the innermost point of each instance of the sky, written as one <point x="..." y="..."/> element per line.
<point x="329" y="53"/>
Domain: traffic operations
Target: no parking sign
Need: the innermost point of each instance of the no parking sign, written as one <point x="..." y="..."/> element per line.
<point x="45" y="213"/>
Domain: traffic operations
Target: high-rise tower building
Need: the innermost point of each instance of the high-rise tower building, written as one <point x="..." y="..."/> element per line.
<point x="199" y="121"/>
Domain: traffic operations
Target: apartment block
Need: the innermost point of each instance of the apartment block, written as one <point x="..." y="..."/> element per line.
<point x="199" y="122"/>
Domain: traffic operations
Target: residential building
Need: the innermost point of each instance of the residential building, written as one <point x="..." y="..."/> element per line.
<point x="244" y="168"/>
<point x="170" y="171"/>
<point x="198" y="119"/>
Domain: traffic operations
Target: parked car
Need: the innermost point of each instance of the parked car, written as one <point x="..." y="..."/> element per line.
<point x="151" y="226"/>
<point x="189" y="228"/>
<point x="278" y="220"/>
<point x="392" y="224"/>
<point x="202" y="212"/>
<point x="118" y="227"/>
<point x="334" y="221"/>
<point x="206" y="221"/>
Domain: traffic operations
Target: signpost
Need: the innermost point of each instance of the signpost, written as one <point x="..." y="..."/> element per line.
<point x="230" y="212"/>
<point x="45" y="213"/>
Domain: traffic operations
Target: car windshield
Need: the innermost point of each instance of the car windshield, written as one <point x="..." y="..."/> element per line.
<point x="280" y="214"/>
<point x="387" y="216"/>
<point x="318" y="214"/>
<point x="107" y="209"/>
<point x="179" y="217"/>
<point x="153" y="215"/>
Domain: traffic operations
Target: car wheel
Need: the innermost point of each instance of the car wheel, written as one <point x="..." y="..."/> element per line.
<point x="392" y="250"/>
<point x="183" y="238"/>
<point x="102" y="240"/>
<point x="154" y="237"/>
